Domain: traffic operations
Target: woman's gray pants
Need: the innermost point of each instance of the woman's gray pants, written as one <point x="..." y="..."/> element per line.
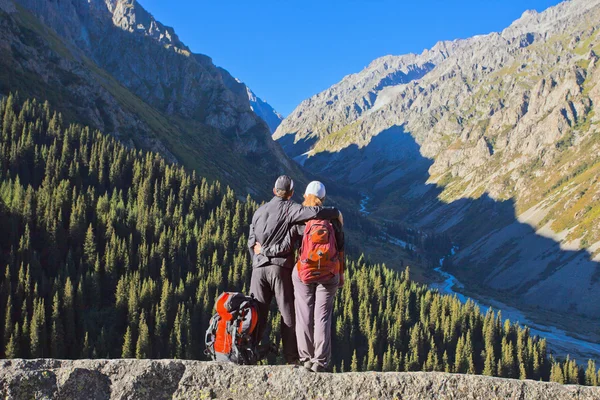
<point x="314" y="312"/>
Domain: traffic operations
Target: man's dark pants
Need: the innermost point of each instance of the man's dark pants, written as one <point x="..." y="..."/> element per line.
<point x="273" y="280"/>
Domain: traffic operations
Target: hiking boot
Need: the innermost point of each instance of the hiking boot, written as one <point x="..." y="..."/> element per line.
<point x="308" y="365"/>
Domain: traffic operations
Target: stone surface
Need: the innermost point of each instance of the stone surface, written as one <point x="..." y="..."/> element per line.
<point x="174" y="379"/>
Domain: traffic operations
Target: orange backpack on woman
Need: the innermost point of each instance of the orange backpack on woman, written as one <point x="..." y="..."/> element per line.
<point x="231" y="335"/>
<point x="319" y="258"/>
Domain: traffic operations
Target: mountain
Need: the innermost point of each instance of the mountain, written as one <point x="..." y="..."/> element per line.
<point x="264" y="110"/>
<point x="111" y="65"/>
<point x="493" y="139"/>
<point x="111" y="252"/>
<point x="166" y="379"/>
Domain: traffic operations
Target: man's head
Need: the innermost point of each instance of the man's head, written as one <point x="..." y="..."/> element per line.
<point x="284" y="187"/>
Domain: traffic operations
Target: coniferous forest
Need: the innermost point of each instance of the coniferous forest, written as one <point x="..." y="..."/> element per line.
<point x="109" y="252"/>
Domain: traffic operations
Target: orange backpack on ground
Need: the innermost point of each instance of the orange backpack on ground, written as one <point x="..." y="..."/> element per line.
<point x="231" y="335"/>
<point x="319" y="258"/>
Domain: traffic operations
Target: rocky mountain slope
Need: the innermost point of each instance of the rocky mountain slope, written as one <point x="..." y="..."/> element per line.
<point x="111" y="65"/>
<point x="264" y="110"/>
<point x="493" y="139"/>
<point x="167" y="379"/>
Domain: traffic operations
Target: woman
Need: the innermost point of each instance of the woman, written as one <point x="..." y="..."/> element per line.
<point x="318" y="273"/>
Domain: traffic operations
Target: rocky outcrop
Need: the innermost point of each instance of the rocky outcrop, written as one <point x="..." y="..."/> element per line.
<point x="110" y="65"/>
<point x="149" y="59"/>
<point x="167" y="379"/>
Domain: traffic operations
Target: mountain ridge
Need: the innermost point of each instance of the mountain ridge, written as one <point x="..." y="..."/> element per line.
<point x="503" y="125"/>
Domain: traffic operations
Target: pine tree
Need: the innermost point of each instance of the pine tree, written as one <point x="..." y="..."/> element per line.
<point x="143" y="348"/>
<point x="68" y="311"/>
<point x="89" y="248"/>
<point x="430" y="362"/>
<point x="127" y="351"/>
<point x="8" y="325"/>
<point x="57" y="338"/>
<point x="446" y="362"/>
<point x="12" y="349"/>
<point x="489" y="368"/>
<point x="468" y="354"/>
<point x="388" y="363"/>
<point x="556" y="374"/>
<point x="372" y="361"/>
<point x="354" y="363"/>
<point x="86" y="351"/>
<point x="591" y="379"/>
<point x="37" y="330"/>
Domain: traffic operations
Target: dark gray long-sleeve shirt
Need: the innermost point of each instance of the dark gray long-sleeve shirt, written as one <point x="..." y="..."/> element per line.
<point x="271" y="226"/>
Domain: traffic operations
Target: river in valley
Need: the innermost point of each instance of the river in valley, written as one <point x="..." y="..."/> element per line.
<point x="559" y="341"/>
<point x="363" y="204"/>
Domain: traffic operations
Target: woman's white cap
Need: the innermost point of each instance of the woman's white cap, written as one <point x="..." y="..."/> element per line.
<point x="316" y="188"/>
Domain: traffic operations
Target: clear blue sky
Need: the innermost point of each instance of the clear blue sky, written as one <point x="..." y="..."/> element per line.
<point x="289" y="50"/>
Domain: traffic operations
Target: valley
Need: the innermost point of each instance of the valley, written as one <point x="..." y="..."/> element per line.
<point x="490" y="140"/>
<point x="130" y="168"/>
<point x="559" y="341"/>
<point x="562" y="338"/>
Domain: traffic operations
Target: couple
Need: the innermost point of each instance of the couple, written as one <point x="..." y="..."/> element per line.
<point x="277" y="228"/>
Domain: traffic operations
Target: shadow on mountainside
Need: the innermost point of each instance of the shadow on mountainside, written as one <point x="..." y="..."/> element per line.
<point x="500" y="254"/>
<point x="391" y="156"/>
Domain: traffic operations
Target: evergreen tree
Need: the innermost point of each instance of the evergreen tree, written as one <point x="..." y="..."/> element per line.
<point x="8" y="325"/>
<point x="89" y="248"/>
<point x="556" y="374"/>
<point x="354" y="363"/>
<point x="143" y="348"/>
<point x="591" y="377"/>
<point x="86" y="351"/>
<point x="57" y="338"/>
<point x="68" y="311"/>
<point x="460" y="361"/>
<point x="489" y="368"/>
<point x="37" y="330"/>
<point x="12" y="349"/>
<point x="127" y="351"/>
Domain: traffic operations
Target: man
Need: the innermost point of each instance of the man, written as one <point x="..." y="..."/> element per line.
<point x="272" y="273"/>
